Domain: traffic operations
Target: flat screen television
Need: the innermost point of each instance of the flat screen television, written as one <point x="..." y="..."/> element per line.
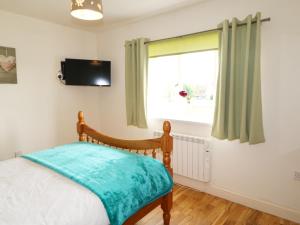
<point x="86" y="72"/>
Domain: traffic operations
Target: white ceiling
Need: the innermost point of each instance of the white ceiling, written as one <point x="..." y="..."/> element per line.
<point x="115" y="11"/>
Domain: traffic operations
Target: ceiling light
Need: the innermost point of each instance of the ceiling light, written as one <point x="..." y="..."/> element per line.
<point x="87" y="9"/>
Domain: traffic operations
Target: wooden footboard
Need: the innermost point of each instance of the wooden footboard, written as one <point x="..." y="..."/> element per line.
<point x="147" y="147"/>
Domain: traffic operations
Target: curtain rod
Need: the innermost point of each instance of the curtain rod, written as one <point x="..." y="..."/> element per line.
<point x="241" y="24"/>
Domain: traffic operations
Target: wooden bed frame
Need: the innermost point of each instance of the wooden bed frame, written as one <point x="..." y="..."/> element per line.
<point x="149" y="146"/>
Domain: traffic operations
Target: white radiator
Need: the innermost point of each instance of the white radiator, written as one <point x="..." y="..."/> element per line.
<point x="191" y="156"/>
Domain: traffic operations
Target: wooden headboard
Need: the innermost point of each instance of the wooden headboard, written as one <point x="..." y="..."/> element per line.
<point x="147" y="146"/>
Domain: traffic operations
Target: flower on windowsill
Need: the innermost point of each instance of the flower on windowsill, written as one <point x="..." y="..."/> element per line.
<point x="183" y="94"/>
<point x="186" y="95"/>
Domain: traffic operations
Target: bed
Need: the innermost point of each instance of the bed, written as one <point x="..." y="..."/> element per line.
<point x="32" y="193"/>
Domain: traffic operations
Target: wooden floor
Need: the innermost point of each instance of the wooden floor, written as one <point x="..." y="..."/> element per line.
<point x="196" y="208"/>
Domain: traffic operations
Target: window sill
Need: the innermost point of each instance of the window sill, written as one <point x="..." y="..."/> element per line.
<point x="185" y="121"/>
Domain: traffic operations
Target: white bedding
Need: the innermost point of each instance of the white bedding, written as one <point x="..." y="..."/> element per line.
<point x="34" y="195"/>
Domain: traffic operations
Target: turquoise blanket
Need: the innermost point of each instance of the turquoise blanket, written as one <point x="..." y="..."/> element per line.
<point x="125" y="182"/>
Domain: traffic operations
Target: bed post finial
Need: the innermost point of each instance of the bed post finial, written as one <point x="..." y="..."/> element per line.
<point x="167" y="127"/>
<point x="80" y="125"/>
<point x="80" y="116"/>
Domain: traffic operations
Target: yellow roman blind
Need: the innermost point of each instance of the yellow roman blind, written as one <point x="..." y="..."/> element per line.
<point x="185" y="44"/>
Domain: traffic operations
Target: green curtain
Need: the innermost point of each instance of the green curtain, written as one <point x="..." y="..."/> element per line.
<point x="238" y="112"/>
<point x="136" y="59"/>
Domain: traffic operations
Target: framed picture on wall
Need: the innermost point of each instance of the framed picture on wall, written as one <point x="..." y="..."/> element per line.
<point x="8" y="66"/>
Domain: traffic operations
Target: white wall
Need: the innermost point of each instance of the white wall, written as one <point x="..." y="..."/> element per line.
<point x="39" y="111"/>
<point x="260" y="175"/>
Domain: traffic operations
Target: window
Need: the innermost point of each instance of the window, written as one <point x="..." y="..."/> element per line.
<point x="182" y="86"/>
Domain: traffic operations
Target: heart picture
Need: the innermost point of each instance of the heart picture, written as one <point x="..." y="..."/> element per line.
<point x="8" y="67"/>
<point x="7" y="63"/>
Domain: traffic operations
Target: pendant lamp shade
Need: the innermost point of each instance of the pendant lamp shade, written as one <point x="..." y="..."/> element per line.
<point x="87" y="9"/>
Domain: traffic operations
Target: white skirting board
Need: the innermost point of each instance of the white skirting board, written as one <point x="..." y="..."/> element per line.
<point x="264" y="206"/>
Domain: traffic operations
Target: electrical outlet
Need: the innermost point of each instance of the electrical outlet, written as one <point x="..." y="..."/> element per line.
<point x="297" y="175"/>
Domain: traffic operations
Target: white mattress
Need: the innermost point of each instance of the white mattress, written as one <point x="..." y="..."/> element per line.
<point x="33" y="195"/>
